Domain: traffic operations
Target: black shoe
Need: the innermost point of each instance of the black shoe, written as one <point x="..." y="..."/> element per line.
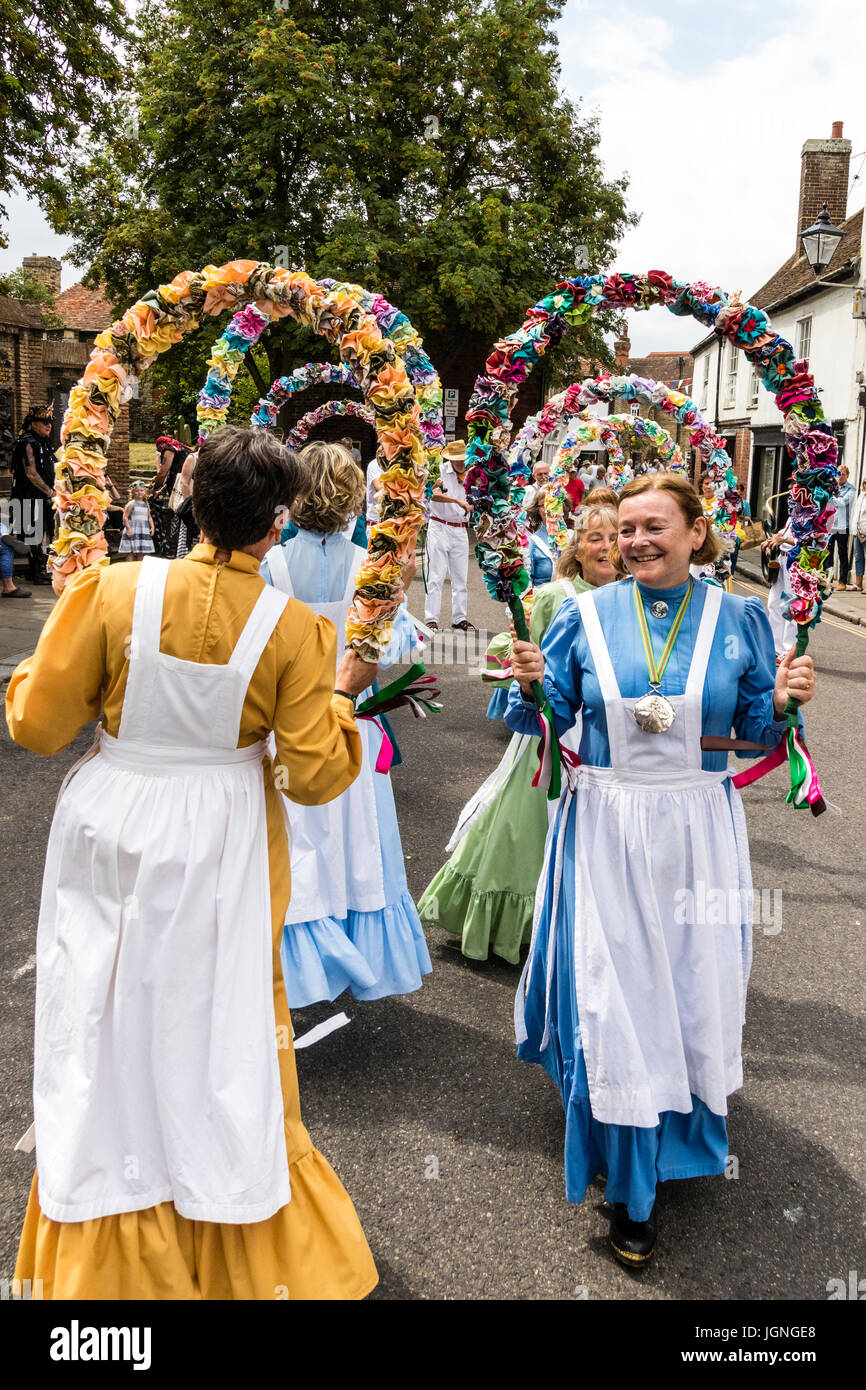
<point x="15" y="593"/>
<point x="632" y="1242"/>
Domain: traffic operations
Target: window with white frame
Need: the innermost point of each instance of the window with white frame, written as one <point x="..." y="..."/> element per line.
<point x="731" y="375"/>
<point x="754" y="390"/>
<point x="705" y="389"/>
<point x="803" y="337"/>
<point x="634" y="407"/>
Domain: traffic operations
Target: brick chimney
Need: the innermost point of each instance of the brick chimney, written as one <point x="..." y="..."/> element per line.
<point x="622" y="352"/>
<point x="45" y="269"/>
<point x="823" y="179"/>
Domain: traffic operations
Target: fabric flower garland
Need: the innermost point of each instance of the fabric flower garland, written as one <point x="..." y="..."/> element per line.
<point x="301" y="379"/>
<point x="160" y="319"/>
<point x="808" y="436"/>
<point x="224" y="364"/>
<point x="297" y="436"/>
<point x="637" y="431"/>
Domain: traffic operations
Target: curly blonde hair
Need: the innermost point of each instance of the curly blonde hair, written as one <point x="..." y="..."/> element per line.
<point x="569" y="563"/>
<point x="689" y="503"/>
<point x="334" y="492"/>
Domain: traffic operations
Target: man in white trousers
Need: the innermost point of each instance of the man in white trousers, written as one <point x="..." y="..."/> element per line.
<point x="447" y="550"/>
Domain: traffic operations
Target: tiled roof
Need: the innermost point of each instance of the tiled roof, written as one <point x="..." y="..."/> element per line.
<point x="87" y="310"/>
<point x="663" y="366"/>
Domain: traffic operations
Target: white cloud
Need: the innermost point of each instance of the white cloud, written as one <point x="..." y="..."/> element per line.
<point x="712" y="141"/>
<point x="29" y="234"/>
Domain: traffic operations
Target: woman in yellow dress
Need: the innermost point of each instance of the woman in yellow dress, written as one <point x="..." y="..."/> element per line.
<point x="166" y="1101"/>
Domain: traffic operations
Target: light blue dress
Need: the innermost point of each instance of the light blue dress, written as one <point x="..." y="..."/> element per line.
<point x="373" y="954"/>
<point x="540" y="563"/>
<point x="738" y="694"/>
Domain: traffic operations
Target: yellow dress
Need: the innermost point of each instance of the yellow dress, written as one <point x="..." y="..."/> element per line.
<point x="313" y="1248"/>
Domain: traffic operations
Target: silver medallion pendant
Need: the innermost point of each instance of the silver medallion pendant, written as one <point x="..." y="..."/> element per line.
<point x="653" y="713"/>
<point x="659" y="609"/>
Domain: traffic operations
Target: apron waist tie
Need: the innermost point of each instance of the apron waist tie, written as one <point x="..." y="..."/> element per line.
<point x="683" y="779"/>
<point x="174" y="759"/>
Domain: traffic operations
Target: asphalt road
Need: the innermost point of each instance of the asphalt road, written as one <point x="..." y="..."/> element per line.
<point x="452" y="1149"/>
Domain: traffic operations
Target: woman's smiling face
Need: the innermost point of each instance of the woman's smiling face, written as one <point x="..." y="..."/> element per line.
<point x="595" y="542"/>
<point x="655" y="539"/>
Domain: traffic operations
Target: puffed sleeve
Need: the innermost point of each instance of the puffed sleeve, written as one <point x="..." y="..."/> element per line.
<point x="754" y="717"/>
<point x="318" y="743"/>
<point x="404" y="639"/>
<point x="57" y="690"/>
<point x="561" y="677"/>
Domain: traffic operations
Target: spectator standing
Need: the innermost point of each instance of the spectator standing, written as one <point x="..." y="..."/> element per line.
<point x="137" y="538"/>
<point x="9" y="547"/>
<point x="841" y="533"/>
<point x="447" y="549"/>
<point x="32" y="486"/>
<point x="858" y="526"/>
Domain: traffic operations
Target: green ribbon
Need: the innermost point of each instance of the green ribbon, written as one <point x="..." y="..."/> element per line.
<point x="541" y="702"/>
<point x="657" y="670"/>
<point x="375" y="701"/>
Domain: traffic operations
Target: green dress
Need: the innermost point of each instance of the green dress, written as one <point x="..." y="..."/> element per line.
<point x="485" y="893"/>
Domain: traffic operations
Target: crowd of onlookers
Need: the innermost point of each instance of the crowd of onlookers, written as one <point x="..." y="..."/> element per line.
<point x="158" y="517"/>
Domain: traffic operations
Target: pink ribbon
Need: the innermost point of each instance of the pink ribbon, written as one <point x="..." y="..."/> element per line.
<point x="763" y="765"/>
<point x="386" y="752"/>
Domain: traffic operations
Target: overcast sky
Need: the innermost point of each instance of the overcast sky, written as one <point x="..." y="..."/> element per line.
<point x="706" y="106"/>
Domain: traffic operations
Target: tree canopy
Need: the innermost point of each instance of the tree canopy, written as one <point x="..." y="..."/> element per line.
<point x="57" y="68"/>
<point x="420" y="149"/>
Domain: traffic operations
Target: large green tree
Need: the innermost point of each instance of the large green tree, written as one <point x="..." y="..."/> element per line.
<point x="57" y="70"/>
<point x="420" y="149"/>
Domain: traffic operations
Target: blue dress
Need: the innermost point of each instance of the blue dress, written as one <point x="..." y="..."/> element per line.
<point x="540" y="564"/>
<point x="737" y="692"/>
<point x="372" y="953"/>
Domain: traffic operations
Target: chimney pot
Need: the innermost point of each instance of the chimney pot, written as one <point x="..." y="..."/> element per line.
<point x="823" y="179"/>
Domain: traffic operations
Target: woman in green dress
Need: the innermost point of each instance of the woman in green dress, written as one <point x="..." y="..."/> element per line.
<point x="485" y="893"/>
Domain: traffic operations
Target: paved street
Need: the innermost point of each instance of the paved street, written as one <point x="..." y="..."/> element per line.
<point x="452" y="1149"/>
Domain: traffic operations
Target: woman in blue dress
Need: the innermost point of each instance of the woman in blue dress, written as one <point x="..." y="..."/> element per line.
<point x="633" y="996"/>
<point x="351" y="922"/>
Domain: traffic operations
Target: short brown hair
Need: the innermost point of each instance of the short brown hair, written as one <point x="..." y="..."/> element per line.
<point x="242" y="479"/>
<point x="689" y="503"/>
<point x="601" y="497"/>
<point x="334" y="491"/>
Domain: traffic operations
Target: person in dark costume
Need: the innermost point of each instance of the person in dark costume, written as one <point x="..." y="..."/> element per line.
<point x="32" y="487"/>
<point x="171" y="456"/>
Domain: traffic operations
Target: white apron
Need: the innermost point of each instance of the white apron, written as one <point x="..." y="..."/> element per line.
<point x="335" y="848"/>
<point x="156" y="1073"/>
<point x="657" y="845"/>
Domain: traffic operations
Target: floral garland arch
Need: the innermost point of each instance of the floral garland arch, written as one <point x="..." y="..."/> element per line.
<point x="639" y="433"/>
<point x="244" y="331"/>
<point x="808" y="436"/>
<point x="301" y="379"/>
<point x="409" y="346"/>
<point x="298" y="435"/>
<point x="161" y="318"/>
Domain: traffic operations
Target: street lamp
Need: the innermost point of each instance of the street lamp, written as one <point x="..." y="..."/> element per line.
<point x="820" y="241"/>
